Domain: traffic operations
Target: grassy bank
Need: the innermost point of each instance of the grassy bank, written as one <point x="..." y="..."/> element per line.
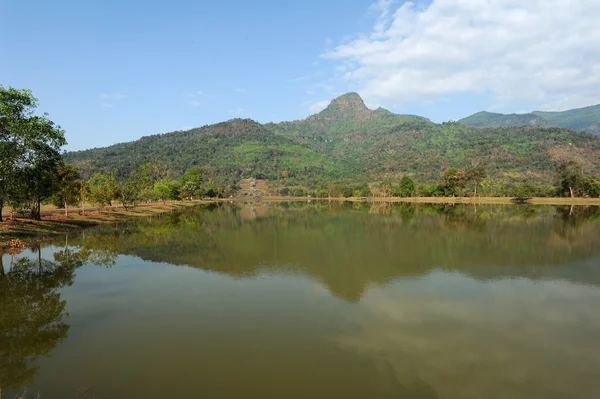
<point x="30" y="231"/>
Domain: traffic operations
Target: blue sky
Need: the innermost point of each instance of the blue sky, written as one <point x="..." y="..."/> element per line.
<point x="112" y="71"/>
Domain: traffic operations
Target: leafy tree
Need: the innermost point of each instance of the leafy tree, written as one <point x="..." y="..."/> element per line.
<point x="191" y="182"/>
<point x="364" y="191"/>
<point x="69" y="187"/>
<point x="454" y="180"/>
<point x="161" y="190"/>
<point x="174" y="190"/>
<point x="298" y="192"/>
<point x="103" y="188"/>
<point x="570" y="179"/>
<point x="407" y="187"/>
<point x="592" y="187"/>
<point x="84" y="194"/>
<point x="130" y="193"/>
<point x="29" y="151"/>
<point x="476" y="175"/>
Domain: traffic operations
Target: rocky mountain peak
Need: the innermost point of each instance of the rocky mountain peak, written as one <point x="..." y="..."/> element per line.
<point x="348" y="101"/>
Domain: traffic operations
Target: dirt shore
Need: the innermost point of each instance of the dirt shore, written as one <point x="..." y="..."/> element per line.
<point x="55" y="222"/>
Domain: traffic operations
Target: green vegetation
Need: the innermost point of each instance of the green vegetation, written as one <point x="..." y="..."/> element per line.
<point x="30" y="158"/>
<point x="347" y="144"/>
<point x="344" y="151"/>
<point x="583" y="119"/>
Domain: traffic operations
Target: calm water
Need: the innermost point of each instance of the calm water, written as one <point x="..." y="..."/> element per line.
<point x="310" y="301"/>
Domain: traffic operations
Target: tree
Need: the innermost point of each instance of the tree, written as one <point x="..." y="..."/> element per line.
<point x="29" y="151"/>
<point x="454" y="179"/>
<point x="69" y="186"/>
<point x="84" y="194"/>
<point x="592" y="187"/>
<point x="161" y="190"/>
<point x="476" y="175"/>
<point x="191" y="182"/>
<point x="407" y="187"/>
<point x="103" y="188"/>
<point x="569" y="179"/>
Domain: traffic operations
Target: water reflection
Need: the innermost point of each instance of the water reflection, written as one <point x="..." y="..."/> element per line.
<point x="517" y="339"/>
<point x="32" y="315"/>
<point x="440" y="300"/>
<point x="349" y="246"/>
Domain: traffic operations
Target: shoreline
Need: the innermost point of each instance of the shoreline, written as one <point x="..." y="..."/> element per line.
<point x="56" y="223"/>
<point x="429" y="200"/>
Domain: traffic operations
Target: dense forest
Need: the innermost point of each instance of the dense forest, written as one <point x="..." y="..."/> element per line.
<point x="584" y="119"/>
<point x="350" y="144"/>
<point x="345" y="150"/>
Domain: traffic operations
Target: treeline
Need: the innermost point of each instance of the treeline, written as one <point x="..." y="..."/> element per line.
<point x="570" y="181"/>
<point x="33" y="172"/>
<point x="151" y="181"/>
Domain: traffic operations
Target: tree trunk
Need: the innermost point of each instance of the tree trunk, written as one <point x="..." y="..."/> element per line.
<point x="38" y="209"/>
<point x="1" y="206"/>
<point x="66" y="209"/>
<point x="1" y="274"/>
<point x="571" y="191"/>
<point x="83" y="207"/>
<point x="476" y="190"/>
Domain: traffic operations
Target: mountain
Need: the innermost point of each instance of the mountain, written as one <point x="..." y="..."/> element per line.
<point x="348" y="141"/>
<point x="583" y="119"/>
<point x="227" y="148"/>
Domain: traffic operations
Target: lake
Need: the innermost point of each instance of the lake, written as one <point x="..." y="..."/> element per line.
<point x="310" y="300"/>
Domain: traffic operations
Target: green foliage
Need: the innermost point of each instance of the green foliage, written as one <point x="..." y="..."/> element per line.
<point x="475" y="175"/>
<point x="103" y="188"/>
<point x="592" y="187"/>
<point x="570" y="179"/>
<point x="162" y="190"/>
<point x="455" y="180"/>
<point x="29" y="152"/>
<point x="347" y="142"/>
<point x="191" y="183"/>
<point x="69" y="187"/>
<point x="583" y="119"/>
<point x="406" y="188"/>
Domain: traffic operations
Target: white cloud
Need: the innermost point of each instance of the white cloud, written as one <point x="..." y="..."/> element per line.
<point x="195" y="103"/>
<point x="112" y="96"/>
<point x="543" y="51"/>
<point x="240" y="90"/>
<point x="106" y="105"/>
<point x="482" y="334"/>
<point x="318" y="106"/>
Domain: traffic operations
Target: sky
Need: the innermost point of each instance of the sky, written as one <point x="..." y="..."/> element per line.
<point x="113" y="71"/>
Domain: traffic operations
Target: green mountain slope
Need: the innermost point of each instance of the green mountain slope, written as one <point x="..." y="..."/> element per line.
<point x="583" y="119"/>
<point x="228" y="148"/>
<point x="348" y="141"/>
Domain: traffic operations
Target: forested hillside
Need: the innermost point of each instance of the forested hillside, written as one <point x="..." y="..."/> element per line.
<point x="582" y="119"/>
<point x="349" y="142"/>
